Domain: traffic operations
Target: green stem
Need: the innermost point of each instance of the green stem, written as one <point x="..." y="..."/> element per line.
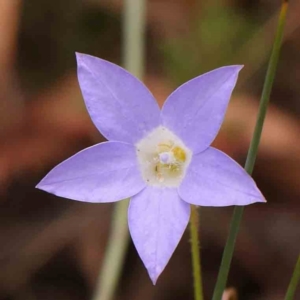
<point x="133" y="60"/>
<point x="252" y="153"/>
<point x="134" y="36"/>
<point x="115" y="253"/>
<point x="264" y="101"/>
<point x="294" y="282"/>
<point x="195" y="248"/>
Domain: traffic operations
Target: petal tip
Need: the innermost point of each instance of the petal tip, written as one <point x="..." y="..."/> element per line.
<point x="80" y="57"/>
<point x="83" y="58"/>
<point x="258" y="199"/>
<point x="263" y="200"/>
<point x="154" y="272"/>
<point x="153" y="277"/>
<point x="240" y="67"/>
<point x="42" y="186"/>
<point x="237" y="68"/>
<point x="39" y="185"/>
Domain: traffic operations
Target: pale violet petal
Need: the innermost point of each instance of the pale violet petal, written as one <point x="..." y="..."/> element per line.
<point x="157" y="219"/>
<point x="105" y="172"/>
<point x="120" y="106"/>
<point x="214" y="179"/>
<point x="195" y="111"/>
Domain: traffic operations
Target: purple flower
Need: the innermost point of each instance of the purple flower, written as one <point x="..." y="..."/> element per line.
<point x="162" y="160"/>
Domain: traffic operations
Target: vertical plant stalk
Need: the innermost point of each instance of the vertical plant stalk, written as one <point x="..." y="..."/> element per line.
<point x="252" y="153"/>
<point x="134" y="24"/>
<point x="133" y="60"/>
<point x="294" y="282"/>
<point x="114" y="254"/>
<point x="195" y="249"/>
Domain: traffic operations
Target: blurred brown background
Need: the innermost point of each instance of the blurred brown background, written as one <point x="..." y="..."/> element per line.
<point x="51" y="248"/>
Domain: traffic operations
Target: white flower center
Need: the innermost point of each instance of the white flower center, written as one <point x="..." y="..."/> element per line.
<point x="163" y="158"/>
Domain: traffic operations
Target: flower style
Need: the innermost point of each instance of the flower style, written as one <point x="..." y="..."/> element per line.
<point x="162" y="160"/>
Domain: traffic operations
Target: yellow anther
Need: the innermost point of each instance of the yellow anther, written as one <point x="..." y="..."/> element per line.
<point x="179" y="154"/>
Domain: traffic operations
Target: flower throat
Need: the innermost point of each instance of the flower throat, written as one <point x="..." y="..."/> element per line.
<point x="163" y="158"/>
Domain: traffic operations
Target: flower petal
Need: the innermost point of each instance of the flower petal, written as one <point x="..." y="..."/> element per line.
<point x="157" y="219"/>
<point x="121" y="107"/>
<point x="105" y="172"/>
<point x="195" y="111"/>
<point x="214" y="179"/>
